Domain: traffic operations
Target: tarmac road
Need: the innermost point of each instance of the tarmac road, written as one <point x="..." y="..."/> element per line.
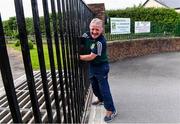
<point x="147" y="89"/>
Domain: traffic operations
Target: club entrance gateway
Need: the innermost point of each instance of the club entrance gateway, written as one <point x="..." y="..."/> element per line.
<point x="58" y="95"/>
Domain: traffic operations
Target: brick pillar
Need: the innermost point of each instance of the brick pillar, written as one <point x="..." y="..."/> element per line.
<point x="99" y="10"/>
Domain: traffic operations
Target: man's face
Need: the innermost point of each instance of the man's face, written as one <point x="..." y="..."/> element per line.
<point x="95" y="30"/>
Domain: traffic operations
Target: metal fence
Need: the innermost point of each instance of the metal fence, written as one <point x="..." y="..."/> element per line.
<point x="64" y="89"/>
<point x="156" y="30"/>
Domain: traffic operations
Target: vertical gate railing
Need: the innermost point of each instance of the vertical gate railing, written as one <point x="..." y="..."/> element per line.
<point x="7" y="78"/>
<point x="70" y="18"/>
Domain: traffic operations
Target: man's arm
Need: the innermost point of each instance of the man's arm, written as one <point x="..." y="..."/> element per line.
<point x="88" y="57"/>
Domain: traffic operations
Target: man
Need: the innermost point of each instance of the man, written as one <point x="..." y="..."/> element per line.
<point x="99" y="67"/>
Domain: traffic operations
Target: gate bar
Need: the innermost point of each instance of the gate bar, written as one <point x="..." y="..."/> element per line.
<point x="67" y="46"/>
<point x="26" y="58"/>
<point x="58" y="57"/>
<point x="72" y="58"/>
<point x="41" y="59"/>
<point x="8" y="79"/>
<point x="75" y="44"/>
<point x="51" y="58"/>
<point x="60" y="29"/>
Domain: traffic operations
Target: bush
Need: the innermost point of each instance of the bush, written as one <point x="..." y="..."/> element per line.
<point x="16" y="35"/>
<point x="17" y="43"/>
<point x="162" y="19"/>
<point x="30" y="44"/>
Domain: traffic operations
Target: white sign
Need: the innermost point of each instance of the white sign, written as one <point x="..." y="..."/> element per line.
<point x="142" y="27"/>
<point x="120" y="25"/>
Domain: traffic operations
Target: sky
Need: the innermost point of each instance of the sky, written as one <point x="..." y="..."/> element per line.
<point x="117" y="4"/>
<point x="7" y="6"/>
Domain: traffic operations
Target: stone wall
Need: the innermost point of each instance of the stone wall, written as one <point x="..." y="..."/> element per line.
<point x="99" y="10"/>
<point x="125" y="49"/>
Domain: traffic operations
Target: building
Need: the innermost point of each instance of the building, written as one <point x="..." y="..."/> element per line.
<point x="173" y="4"/>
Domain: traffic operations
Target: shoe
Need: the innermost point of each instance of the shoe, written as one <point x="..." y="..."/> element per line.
<point x="108" y="119"/>
<point x="98" y="103"/>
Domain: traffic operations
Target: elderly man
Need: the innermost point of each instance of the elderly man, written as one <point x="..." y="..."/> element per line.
<point x="99" y="67"/>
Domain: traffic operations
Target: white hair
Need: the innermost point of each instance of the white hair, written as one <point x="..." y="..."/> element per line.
<point x="97" y="21"/>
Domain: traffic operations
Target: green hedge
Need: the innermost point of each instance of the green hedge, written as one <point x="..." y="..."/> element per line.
<point x="162" y="19"/>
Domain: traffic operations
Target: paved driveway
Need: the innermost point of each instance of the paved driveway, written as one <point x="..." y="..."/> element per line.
<point x="147" y="89"/>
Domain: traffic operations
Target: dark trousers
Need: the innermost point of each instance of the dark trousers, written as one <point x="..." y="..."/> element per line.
<point x="100" y="85"/>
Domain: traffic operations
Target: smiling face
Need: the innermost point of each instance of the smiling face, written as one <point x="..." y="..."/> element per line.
<point x="96" y="28"/>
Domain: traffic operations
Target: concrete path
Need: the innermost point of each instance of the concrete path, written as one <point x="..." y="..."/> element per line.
<point x="145" y="90"/>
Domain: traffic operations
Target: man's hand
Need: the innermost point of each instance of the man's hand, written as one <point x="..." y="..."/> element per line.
<point x="88" y="57"/>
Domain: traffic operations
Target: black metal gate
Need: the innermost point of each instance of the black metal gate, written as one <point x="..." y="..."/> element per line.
<point x="64" y="89"/>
